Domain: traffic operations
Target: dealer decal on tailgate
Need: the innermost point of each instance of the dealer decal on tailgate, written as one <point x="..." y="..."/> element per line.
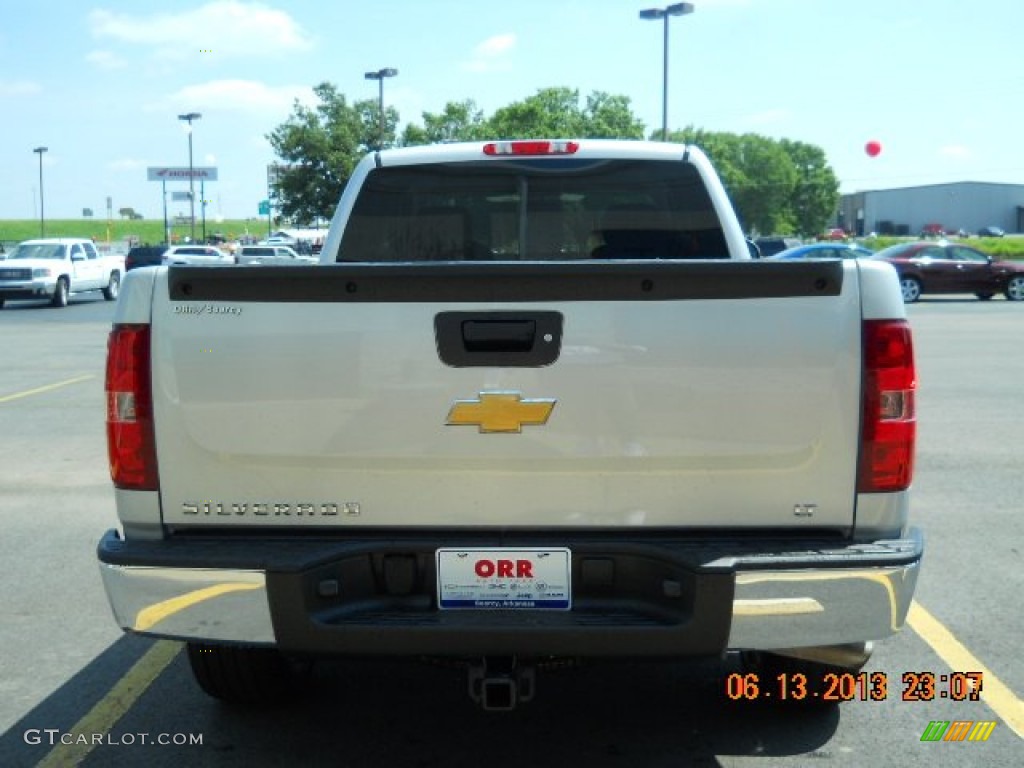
<point x="504" y="578"/>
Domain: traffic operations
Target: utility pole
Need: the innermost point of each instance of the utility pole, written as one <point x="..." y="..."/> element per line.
<point x="379" y="76"/>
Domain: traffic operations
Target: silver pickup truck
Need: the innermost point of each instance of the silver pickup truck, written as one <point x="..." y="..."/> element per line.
<point x="535" y="402"/>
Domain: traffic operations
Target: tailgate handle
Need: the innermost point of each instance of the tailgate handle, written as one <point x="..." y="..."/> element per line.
<point x="499" y="335"/>
<point x="516" y="338"/>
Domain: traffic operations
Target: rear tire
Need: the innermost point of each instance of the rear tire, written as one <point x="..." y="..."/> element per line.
<point x="242" y="676"/>
<point x="1015" y="288"/>
<point x="113" y="288"/>
<point x="60" y="293"/>
<point x="910" y="287"/>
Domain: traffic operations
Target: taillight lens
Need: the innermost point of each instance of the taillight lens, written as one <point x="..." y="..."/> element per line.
<point x="889" y="420"/>
<point x="131" y="444"/>
<point x="531" y="147"/>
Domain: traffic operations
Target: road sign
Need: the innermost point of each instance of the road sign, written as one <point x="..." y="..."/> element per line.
<point x="274" y="173"/>
<point x="181" y="174"/>
<point x="264" y="207"/>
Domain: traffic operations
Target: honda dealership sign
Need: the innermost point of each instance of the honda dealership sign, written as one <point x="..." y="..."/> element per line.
<point x="181" y="174"/>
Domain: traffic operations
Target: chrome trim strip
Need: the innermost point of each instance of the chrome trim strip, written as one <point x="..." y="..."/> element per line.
<point x="190" y="603"/>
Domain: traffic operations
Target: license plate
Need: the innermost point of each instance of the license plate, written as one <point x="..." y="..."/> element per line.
<point x="504" y="578"/>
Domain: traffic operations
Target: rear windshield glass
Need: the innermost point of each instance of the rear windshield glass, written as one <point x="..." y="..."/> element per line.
<point x="533" y="210"/>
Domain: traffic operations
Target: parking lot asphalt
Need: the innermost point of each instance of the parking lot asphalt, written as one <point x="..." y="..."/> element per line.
<point x="68" y="674"/>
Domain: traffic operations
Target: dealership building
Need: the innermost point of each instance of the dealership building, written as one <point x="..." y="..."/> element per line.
<point x="966" y="205"/>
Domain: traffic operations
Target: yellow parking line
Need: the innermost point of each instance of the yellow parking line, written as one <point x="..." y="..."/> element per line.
<point x="149" y="617"/>
<point x="47" y="388"/>
<point x="112" y="707"/>
<point x="994" y="692"/>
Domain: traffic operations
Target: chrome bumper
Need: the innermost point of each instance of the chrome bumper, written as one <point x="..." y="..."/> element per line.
<point x="190" y="604"/>
<point x="784" y="609"/>
<point x="855" y="594"/>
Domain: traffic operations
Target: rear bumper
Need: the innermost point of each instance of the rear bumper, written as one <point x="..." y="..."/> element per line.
<point x="642" y="596"/>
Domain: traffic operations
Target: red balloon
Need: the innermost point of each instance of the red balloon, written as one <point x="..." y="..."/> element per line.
<point x="873" y="148"/>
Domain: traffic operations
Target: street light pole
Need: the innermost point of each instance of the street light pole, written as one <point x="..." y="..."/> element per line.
<point x="379" y="76"/>
<point x="679" y="9"/>
<point x="189" y="117"/>
<point x="42" y="205"/>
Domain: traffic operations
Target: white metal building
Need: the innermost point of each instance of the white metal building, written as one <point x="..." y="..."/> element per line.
<point x="966" y="205"/>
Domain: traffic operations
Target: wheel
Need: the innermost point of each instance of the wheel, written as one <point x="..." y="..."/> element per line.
<point x="113" y="287"/>
<point x="1015" y="288"/>
<point x="984" y="296"/>
<point x="242" y="676"/>
<point x="60" y="293"/>
<point x="911" y="289"/>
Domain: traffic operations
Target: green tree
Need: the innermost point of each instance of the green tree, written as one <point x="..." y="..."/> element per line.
<point x="816" y="193"/>
<point x="320" y="146"/>
<point x="460" y="121"/>
<point x="609" y="116"/>
<point x="771" y="177"/>
<point x="550" y="113"/>
<point x="777" y="186"/>
<point x="556" y="113"/>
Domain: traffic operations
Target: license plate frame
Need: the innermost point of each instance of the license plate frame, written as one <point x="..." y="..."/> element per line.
<point x="504" y="578"/>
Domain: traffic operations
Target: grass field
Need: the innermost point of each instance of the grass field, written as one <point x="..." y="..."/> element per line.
<point x="145" y="230"/>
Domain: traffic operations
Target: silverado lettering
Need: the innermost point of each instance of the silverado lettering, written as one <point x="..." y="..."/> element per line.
<point x="329" y="509"/>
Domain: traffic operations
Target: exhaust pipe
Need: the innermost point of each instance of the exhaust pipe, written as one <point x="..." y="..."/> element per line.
<point x="499" y="684"/>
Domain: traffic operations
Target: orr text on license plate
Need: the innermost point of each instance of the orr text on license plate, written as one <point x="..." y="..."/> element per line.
<point x="504" y="578"/>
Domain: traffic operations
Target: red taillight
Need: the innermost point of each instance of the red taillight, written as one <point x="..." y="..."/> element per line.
<point x="131" y="445"/>
<point x="889" y="422"/>
<point x="531" y="148"/>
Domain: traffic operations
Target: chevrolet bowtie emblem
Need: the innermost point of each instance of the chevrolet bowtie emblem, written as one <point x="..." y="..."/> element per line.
<point x="500" y="412"/>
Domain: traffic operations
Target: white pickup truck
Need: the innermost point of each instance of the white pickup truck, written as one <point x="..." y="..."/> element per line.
<point x="55" y="269"/>
<point x="536" y="402"/>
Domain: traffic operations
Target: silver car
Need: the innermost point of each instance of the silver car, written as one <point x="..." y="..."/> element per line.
<point x="197" y="254"/>
<point x="271" y="254"/>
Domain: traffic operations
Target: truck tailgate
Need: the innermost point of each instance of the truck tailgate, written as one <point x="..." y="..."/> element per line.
<point x="690" y="394"/>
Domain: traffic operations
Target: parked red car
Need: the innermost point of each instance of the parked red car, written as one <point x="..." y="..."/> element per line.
<point x="930" y="267"/>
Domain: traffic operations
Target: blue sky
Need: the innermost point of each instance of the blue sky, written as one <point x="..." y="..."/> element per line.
<point x="938" y="83"/>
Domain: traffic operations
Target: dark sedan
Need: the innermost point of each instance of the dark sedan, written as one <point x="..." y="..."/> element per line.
<point x="825" y="251"/>
<point x="930" y="267"/>
<point x="144" y="256"/>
